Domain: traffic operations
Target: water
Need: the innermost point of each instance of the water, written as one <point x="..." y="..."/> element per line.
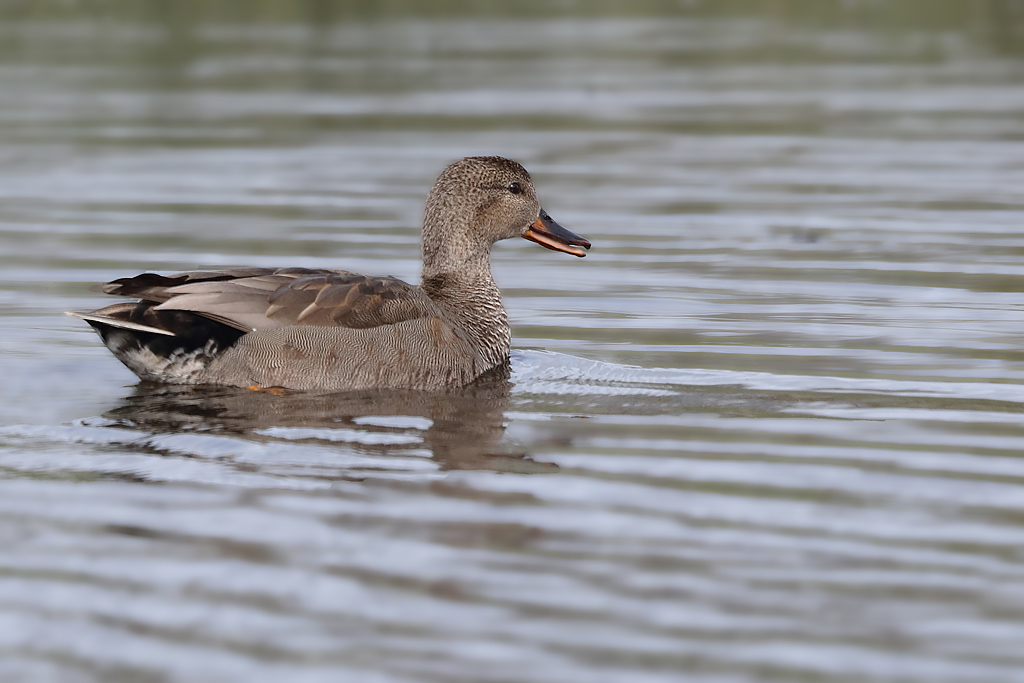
<point x="769" y="429"/>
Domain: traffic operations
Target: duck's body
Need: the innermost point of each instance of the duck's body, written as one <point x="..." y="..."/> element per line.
<point x="296" y="328"/>
<point x="329" y="330"/>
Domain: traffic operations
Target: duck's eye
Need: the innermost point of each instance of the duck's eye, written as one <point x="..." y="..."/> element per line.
<point x="515" y="188"/>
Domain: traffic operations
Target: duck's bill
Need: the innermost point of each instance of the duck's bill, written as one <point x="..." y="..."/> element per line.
<point x="547" y="233"/>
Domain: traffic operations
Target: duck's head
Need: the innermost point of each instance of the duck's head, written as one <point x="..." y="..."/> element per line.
<point x="477" y="201"/>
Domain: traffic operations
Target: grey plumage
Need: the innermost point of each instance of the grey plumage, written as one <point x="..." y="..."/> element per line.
<point x="328" y="330"/>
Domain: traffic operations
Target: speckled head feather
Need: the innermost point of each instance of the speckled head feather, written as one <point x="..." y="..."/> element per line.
<point x="475" y="202"/>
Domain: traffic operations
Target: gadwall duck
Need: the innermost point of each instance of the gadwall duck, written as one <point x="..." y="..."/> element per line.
<point x="315" y="329"/>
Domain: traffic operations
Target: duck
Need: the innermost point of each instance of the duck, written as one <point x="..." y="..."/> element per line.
<point x="318" y="329"/>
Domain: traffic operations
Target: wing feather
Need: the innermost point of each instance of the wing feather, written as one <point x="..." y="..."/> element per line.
<point x="261" y="298"/>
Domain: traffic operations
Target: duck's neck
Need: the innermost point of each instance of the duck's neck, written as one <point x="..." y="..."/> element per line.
<point x="467" y="292"/>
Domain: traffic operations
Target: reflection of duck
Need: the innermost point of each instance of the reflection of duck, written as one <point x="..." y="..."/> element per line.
<point x="316" y="329"/>
<point x="462" y="430"/>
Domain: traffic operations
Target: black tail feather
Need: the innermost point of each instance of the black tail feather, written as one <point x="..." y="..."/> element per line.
<point x="194" y="340"/>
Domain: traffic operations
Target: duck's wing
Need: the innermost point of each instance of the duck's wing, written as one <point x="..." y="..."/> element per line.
<point x="249" y="299"/>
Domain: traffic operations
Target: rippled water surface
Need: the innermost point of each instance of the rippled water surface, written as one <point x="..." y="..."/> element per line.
<point x="770" y="429"/>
